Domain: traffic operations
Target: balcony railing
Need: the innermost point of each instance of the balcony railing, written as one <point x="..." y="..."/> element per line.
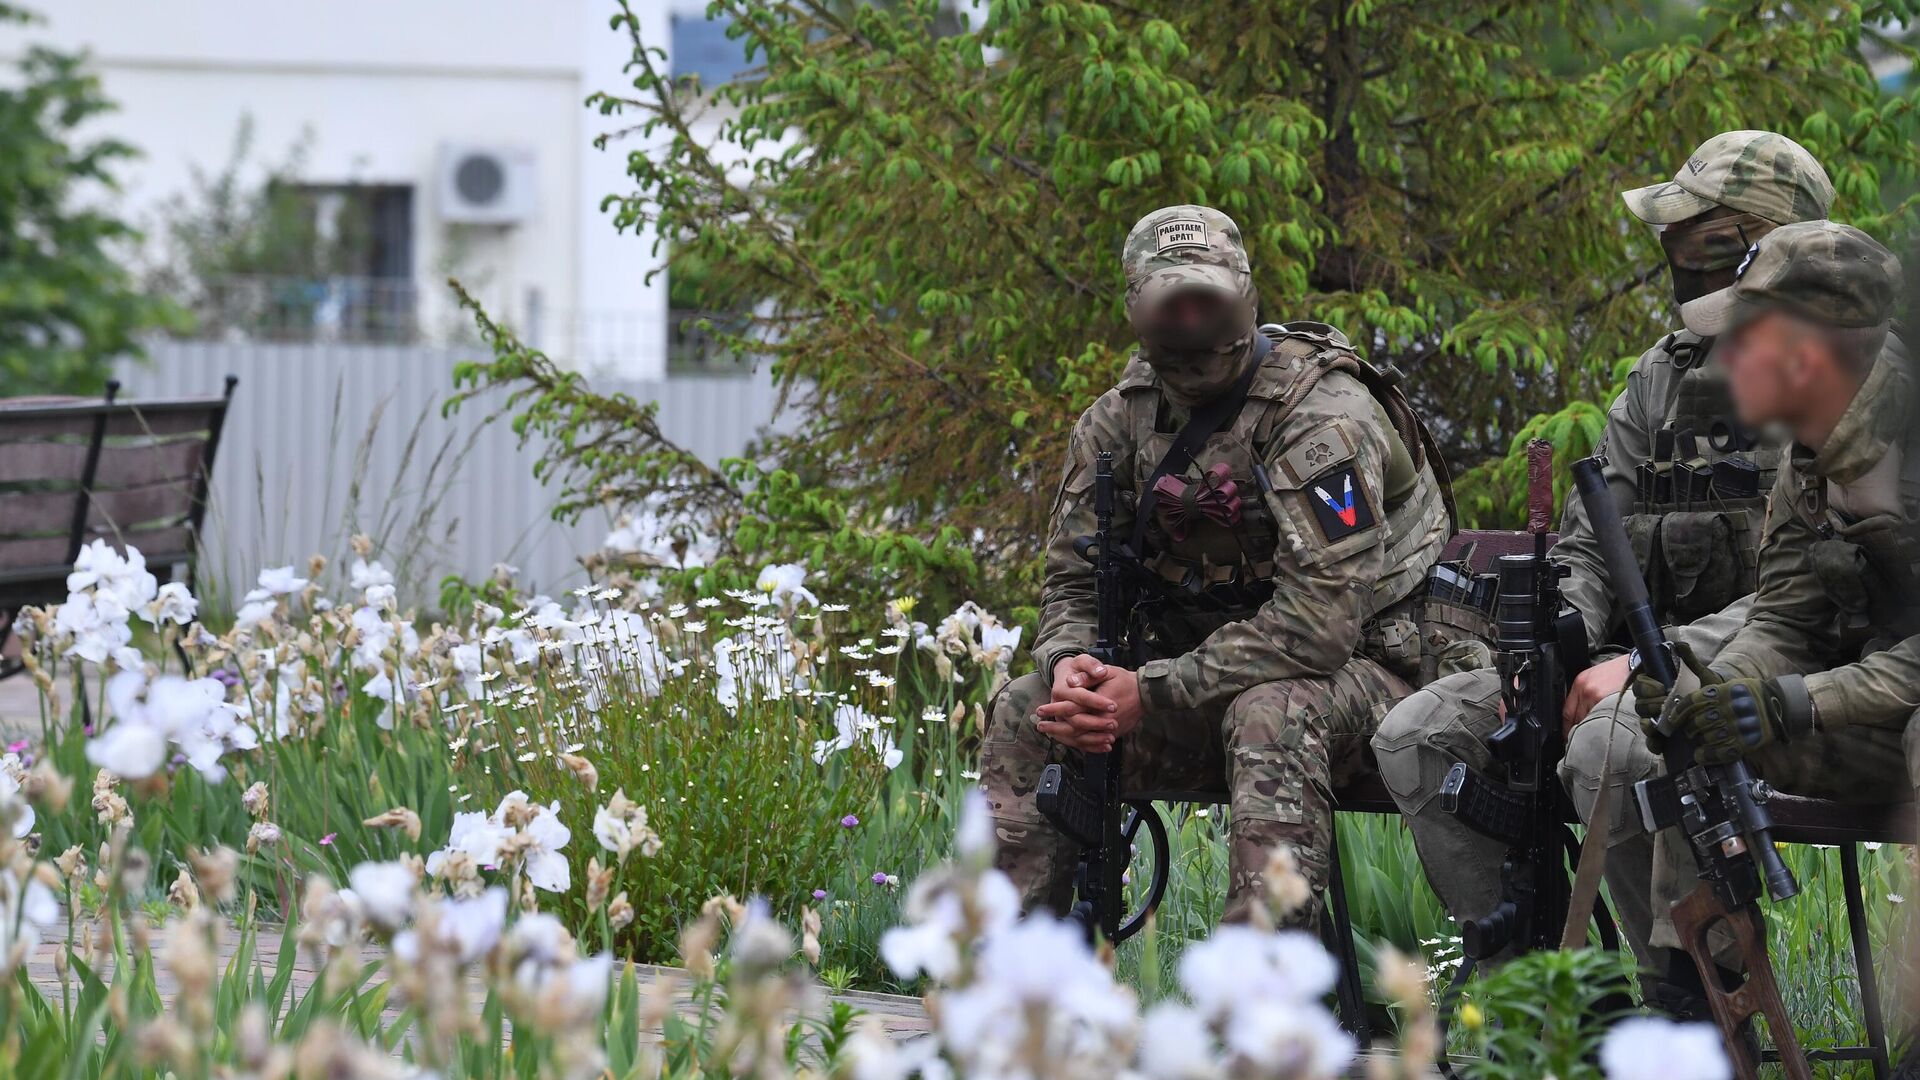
<point x="296" y="309"/>
<point x="390" y="311"/>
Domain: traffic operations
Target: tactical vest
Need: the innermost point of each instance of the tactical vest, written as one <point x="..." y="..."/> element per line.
<point x="1700" y="502"/>
<point x="1869" y="568"/>
<point x="1215" y="574"/>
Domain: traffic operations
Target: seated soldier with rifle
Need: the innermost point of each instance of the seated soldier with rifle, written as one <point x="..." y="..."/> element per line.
<point x="1273" y="508"/>
<point x="1690" y="479"/>
<point x="1817" y="692"/>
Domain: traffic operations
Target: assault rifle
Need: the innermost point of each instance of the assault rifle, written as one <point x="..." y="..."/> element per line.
<point x="1541" y="644"/>
<point x="1718" y="808"/>
<point x="1088" y="805"/>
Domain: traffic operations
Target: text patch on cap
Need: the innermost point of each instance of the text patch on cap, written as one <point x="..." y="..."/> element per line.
<point x="1339" y="504"/>
<point x="1181" y="232"/>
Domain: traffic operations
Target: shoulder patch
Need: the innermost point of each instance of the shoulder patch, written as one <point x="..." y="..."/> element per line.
<point x="1316" y="454"/>
<point x="1339" y="504"/>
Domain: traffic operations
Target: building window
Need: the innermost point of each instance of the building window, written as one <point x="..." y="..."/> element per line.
<point x="699" y="48"/>
<point x="334" y="262"/>
<point x="362" y="230"/>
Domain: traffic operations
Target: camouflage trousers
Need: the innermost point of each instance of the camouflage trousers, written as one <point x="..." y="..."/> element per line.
<point x="1274" y="754"/>
<point x="1648" y="874"/>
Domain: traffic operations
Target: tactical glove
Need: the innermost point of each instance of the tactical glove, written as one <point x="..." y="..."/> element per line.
<point x="1729" y="719"/>
<point x="1650" y="698"/>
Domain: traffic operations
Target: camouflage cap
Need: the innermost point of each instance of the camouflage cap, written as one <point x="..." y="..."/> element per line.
<point x="1759" y="172"/>
<point x="1187" y="246"/>
<point x="1822" y="271"/>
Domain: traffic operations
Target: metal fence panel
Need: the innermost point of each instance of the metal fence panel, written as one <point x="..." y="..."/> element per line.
<point x="326" y="440"/>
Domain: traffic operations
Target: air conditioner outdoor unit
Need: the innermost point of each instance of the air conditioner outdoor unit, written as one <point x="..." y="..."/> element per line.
<point x="485" y="185"/>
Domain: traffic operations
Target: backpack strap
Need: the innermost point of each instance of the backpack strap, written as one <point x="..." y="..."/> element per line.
<point x="1207" y="419"/>
<point x="1384" y="384"/>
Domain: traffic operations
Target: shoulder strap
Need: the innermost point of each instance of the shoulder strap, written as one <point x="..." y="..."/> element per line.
<point x="1414" y="434"/>
<point x="1910" y="477"/>
<point x="1200" y="426"/>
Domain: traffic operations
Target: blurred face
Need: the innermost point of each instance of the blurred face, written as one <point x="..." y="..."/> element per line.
<point x="1768" y="362"/>
<point x="1190" y="320"/>
<point x="1185" y="338"/>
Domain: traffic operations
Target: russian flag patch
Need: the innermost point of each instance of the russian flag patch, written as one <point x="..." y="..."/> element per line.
<point x="1339" y="504"/>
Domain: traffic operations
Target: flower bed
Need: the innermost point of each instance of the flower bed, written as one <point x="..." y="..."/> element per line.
<point x="526" y="792"/>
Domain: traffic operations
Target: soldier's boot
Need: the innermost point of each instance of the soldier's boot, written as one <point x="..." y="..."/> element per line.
<point x="1037" y="857"/>
<point x="1288" y="743"/>
<point x="1434" y="728"/>
<point x="1681" y="994"/>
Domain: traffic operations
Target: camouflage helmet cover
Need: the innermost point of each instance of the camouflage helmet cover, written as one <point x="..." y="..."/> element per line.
<point x="1760" y="172"/>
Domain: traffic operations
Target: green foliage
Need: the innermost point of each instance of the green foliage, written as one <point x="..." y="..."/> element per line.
<point x="1543" y="1015"/>
<point x="323" y="786"/>
<point x="224" y="240"/>
<point x="608" y="449"/>
<point x="932" y="228"/>
<point x="68" y="306"/>
<point x="1494" y="493"/>
<point x="748" y="811"/>
<point x="129" y="1017"/>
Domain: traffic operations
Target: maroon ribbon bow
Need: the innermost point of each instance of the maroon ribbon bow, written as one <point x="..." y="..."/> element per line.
<point x="1182" y="504"/>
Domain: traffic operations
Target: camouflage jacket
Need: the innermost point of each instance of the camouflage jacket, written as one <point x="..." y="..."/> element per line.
<point x="1839" y="595"/>
<point x="1699" y="555"/>
<point x="1332" y="531"/>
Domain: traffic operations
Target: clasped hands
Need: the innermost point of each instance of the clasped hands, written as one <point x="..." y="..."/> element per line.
<point x="1093" y="704"/>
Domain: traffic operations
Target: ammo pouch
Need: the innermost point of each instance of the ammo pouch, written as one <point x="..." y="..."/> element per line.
<point x="1696" y="561"/>
<point x="1849" y="581"/>
<point x="1392" y="640"/>
<point x="1453" y="617"/>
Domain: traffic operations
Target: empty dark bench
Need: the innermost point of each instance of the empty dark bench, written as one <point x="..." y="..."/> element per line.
<point x="73" y="470"/>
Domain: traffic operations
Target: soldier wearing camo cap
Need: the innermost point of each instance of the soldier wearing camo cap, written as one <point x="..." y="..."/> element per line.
<point x="1818" y="689"/>
<point x="1690" y="479"/>
<point x="1286" y="550"/>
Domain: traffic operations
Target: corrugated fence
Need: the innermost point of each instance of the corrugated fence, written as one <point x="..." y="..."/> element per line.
<point x="327" y="440"/>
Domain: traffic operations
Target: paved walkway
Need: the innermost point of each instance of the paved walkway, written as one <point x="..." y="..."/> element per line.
<point x="19" y="708"/>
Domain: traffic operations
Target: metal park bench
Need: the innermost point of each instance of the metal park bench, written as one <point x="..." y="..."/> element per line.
<point x="73" y="470"/>
<point x="1797" y="820"/>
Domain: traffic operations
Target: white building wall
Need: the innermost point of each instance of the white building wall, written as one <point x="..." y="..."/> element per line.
<point x="380" y="87"/>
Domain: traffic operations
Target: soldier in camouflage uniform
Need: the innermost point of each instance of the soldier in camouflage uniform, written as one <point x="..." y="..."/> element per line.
<point x="1670" y="429"/>
<point x="1818" y="689"/>
<point x="1285" y="555"/>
